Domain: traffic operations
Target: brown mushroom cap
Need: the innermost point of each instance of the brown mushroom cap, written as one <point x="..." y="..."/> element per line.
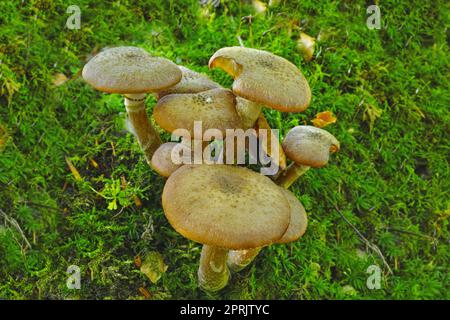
<point x="299" y="221"/>
<point x="162" y="159"/>
<point x="265" y="78"/>
<point x="130" y="70"/>
<point x="191" y="82"/>
<point x="225" y="206"/>
<point x="310" y="146"/>
<point x="215" y="108"/>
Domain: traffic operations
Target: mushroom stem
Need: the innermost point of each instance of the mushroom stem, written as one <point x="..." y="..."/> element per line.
<point x="145" y="133"/>
<point x="291" y="174"/>
<point x="213" y="273"/>
<point x="239" y="259"/>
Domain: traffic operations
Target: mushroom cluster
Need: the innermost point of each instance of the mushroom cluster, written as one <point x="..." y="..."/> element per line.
<point x="231" y="210"/>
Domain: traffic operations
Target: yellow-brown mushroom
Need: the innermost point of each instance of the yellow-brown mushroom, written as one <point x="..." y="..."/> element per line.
<point x="191" y="82"/>
<point x="306" y="146"/>
<point x="239" y="259"/>
<point x="132" y="72"/>
<point x="224" y="208"/>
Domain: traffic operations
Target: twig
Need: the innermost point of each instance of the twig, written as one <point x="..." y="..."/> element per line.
<point x="371" y="245"/>
<point x="420" y="235"/>
<point x="16" y="225"/>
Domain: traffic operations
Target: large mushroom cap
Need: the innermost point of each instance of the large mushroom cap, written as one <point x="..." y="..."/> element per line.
<point x="130" y="70"/>
<point x="215" y="108"/>
<point x="225" y="206"/>
<point x="263" y="77"/>
<point x="299" y="221"/>
<point x="310" y="146"/>
<point x="191" y="82"/>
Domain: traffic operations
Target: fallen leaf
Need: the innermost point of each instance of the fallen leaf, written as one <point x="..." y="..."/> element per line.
<point x="153" y="266"/>
<point x="137" y="201"/>
<point x="371" y="113"/>
<point x="74" y="170"/>
<point x="59" y="79"/>
<point x="123" y="182"/>
<point x="305" y="45"/>
<point x="94" y="163"/>
<point x="259" y="6"/>
<point x="145" y="292"/>
<point x="138" y="261"/>
<point x="323" y="119"/>
<point x="274" y="3"/>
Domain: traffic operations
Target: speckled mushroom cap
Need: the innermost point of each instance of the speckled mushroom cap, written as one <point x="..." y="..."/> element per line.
<point x="130" y="70"/>
<point x="191" y="82"/>
<point x="299" y="221"/>
<point x="263" y="77"/>
<point x="225" y="206"/>
<point x="215" y="108"/>
<point x="162" y="159"/>
<point x="310" y="146"/>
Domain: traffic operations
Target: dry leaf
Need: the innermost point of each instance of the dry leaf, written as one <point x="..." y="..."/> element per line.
<point x="74" y="170"/>
<point x="153" y="266"/>
<point x="306" y="44"/>
<point x="145" y="292"/>
<point x="323" y="119"/>
<point x="274" y="3"/>
<point x="59" y="79"/>
<point x="137" y="201"/>
<point x="137" y="261"/>
<point x="123" y="182"/>
<point x="371" y="113"/>
<point x="259" y="6"/>
<point x="94" y="163"/>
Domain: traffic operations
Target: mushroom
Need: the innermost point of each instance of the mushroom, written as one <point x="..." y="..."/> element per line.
<point x="162" y="159"/>
<point x="266" y="79"/>
<point x="215" y="108"/>
<point x="306" y="146"/>
<point x="191" y="82"/>
<point x="132" y="72"/>
<point x="239" y="259"/>
<point x="170" y="156"/>
<point x="224" y="208"/>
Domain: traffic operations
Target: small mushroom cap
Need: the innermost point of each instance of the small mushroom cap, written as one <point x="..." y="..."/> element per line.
<point x="225" y="206"/>
<point x="130" y="70"/>
<point x="310" y="146"/>
<point x="162" y="159"/>
<point x="215" y="108"/>
<point x="265" y="78"/>
<point x="191" y="82"/>
<point x="299" y="221"/>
